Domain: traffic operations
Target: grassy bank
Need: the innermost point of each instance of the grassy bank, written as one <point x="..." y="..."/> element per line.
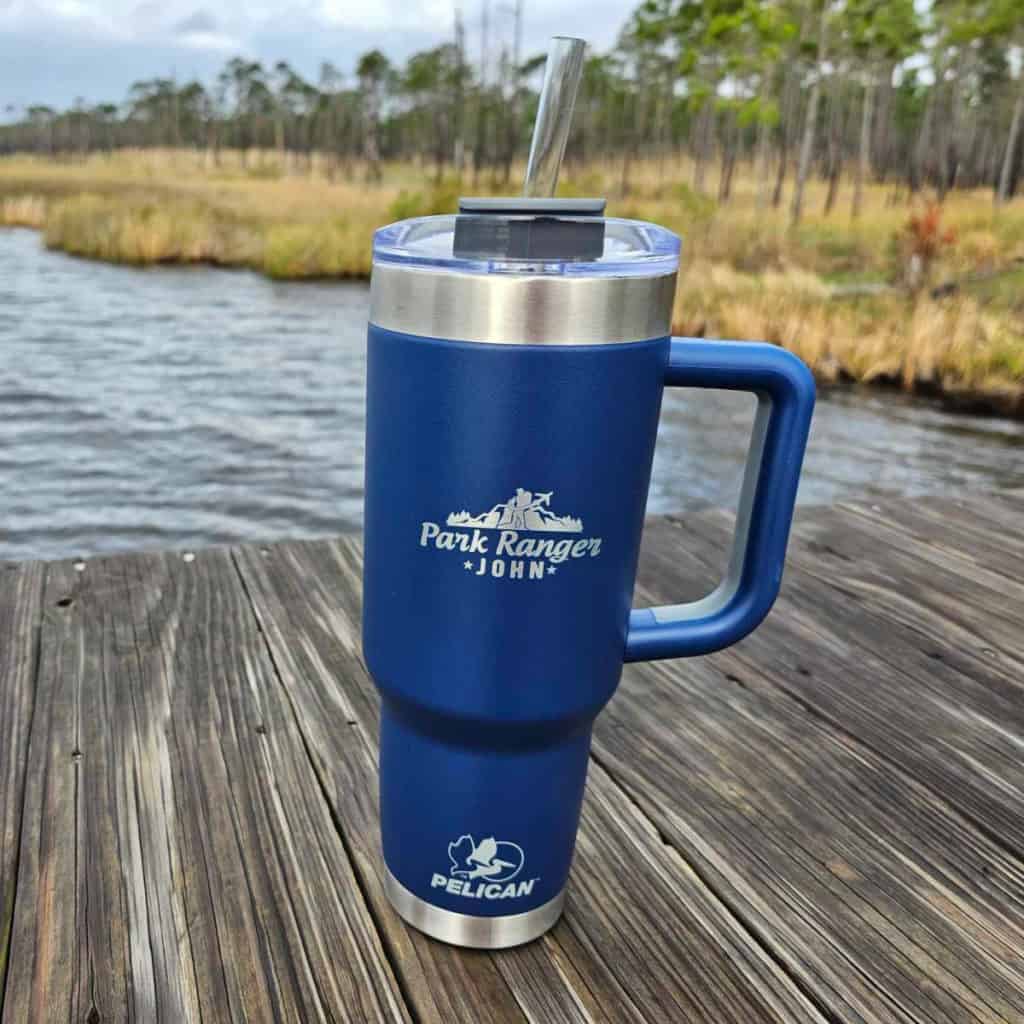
<point x="831" y="289"/>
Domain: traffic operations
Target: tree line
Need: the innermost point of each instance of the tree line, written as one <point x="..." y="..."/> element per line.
<point x="918" y="96"/>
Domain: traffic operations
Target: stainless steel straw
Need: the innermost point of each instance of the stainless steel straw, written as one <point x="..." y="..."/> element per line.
<point x="554" y="115"/>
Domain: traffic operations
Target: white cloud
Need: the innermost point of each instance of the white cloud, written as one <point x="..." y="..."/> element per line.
<point x="97" y="48"/>
<point x="433" y="16"/>
<point x="213" y="42"/>
<point x="200" y="30"/>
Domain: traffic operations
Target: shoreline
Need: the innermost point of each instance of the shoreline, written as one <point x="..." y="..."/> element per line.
<point x="202" y="263"/>
<point x="822" y="292"/>
<point x="967" y="402"/>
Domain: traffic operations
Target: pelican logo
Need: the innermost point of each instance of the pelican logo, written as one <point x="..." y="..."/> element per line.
<point x="486" y="870"/>
<point x="497" y="862"/>
<point x="501" y="538"/>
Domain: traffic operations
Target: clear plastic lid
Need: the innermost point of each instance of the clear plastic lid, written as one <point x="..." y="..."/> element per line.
<point x="632" y="248"/>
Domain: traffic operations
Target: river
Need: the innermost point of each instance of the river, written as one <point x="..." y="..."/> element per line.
<point x="180" y="407"/>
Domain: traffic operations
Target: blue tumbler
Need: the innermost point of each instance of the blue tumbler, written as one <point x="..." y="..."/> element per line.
<point x="517" y="355"/>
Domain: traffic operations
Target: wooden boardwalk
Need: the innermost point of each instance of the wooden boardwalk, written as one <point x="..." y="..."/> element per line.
<point x="822" y="825"/>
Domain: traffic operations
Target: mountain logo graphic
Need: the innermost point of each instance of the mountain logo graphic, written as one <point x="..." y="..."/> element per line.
<point x="491" y="859"/>
<point x="524" y="511"/>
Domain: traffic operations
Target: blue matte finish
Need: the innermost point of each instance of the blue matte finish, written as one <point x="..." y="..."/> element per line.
<point x="490" y="684"/>
<point x="781" y="379"/>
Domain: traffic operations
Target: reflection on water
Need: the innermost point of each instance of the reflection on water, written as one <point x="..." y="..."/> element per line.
<point x="182" y="407"/>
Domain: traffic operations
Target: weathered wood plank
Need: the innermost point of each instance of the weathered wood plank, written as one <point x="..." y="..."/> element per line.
<point x="803" y="846"/>
<point x="865" y="886"/>
<point x="643" y="939"/>
<point x="21" y="588"/>
<point x="865" y="635"/>
<point x="178" y="860"/>
<point x="947" y="583"/>
<point x="886" y="902"/>
<point x="952" y="554"/>
<point x="994" y="516"/>
<point x="311" y="627"/>
<point x="986" y="532"/>
<point x="939" y="597"/>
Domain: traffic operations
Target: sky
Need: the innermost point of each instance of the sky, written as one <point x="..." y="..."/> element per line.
<point x="55" y="51"/>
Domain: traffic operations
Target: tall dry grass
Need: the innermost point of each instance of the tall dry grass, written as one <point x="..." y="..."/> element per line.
<point x="745" y="272"/>
<point x="23" y="211"/>
<point x="956" y="346"/>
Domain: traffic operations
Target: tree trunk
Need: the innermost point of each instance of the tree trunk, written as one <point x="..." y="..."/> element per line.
<point x="990" y="162"/>
<point x="279" y="137"/>
<point x="762" y="164"/>
<point x="480" y="142"/>
<point x="512" y="125"/>
<point x="835" y="142"/>
<point x="630" y="140"/>
<point x="763" y="139"/>
<point x="212" y="144"/>
<point x="440" y="144"/>
<point x="864" y="155"/>
<point x="942" y="145"/>
<point x="809" y="124"/>
<point x="371" y="146"/>
<point x="732" y="131"/>
<point x="350" y="158"/>
<point x="176" y="137"/>
<point x="881" y="154"/>
<point x="697" y="136"/>
<point x="705" y="137"/>
<point x="834" y="171"/>
<point x="790" y="106"/>
<point x="505" y="129"/>
<point x="328" y="142"/>
<point x="780" y="174"/>
<point x="459" y="103"/>
<point x="1005" y="175"/>
<point x="917" y="167"/>
<point x="661" y="129"/>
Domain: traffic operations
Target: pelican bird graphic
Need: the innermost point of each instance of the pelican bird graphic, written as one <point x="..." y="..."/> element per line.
<point x="489" y="859"/>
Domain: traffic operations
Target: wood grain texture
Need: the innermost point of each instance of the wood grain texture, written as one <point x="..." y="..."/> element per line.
<point x="886" y="905"/>
<point x="177" y="860"/>
<point x="906" y="645"/>
<point x="21" y="588"/>
<point x="821" y="824"/>
<point x="873" y="888"/>
<point x="643" y="939"/>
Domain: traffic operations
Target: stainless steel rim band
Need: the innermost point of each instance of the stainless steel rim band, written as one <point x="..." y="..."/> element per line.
<point x="469" y="931"/>
<point x="521" y="309"/>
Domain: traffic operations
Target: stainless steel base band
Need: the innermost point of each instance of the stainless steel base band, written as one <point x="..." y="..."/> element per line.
<point x="521" y="309"/>
<point x="467" y="930"/>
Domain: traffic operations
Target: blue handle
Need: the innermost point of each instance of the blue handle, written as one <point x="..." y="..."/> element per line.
<point x="785" y="393"/>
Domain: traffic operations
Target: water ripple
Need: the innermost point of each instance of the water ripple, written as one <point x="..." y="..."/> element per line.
<point x="182" y="407"/>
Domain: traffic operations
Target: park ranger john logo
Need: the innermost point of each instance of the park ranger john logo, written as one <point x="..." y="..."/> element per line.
<point x="488" y="870"/>
<point x="500" y="543"/>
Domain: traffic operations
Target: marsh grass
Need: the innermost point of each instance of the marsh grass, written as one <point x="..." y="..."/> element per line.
<point x="955" y="346"/>
<point x="148" y="231"/>
<point x="23" y="211"/>
<point x="745" y="273"/>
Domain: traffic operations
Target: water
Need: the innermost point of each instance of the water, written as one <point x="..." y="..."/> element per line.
<point x="183" y="407"/>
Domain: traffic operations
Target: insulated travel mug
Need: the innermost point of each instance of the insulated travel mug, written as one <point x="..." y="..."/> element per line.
<point x="517" y="355"/>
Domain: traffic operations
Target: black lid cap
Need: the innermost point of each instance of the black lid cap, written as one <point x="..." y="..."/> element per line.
<point x="517" y="228"/>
